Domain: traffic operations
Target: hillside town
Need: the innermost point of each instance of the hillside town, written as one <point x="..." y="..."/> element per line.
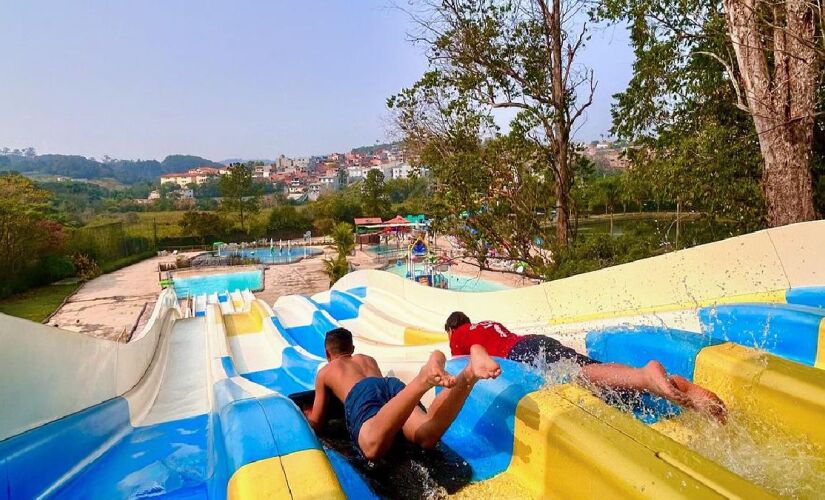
<point x="304" y="178"/>
<point x="301" y="178"/>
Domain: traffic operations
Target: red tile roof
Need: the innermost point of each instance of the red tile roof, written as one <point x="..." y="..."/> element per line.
<point x="367" y="220"/>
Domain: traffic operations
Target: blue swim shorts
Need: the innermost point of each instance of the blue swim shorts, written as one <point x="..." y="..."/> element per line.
<point x="365" y="399"/>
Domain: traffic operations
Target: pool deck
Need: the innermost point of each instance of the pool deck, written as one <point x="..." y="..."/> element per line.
<point x="112" y="305"/>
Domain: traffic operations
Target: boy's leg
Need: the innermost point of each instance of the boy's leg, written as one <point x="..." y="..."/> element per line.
<point x="377" y="434"/>
<point x="426" y="429"/>
<point x="652" y="378"/>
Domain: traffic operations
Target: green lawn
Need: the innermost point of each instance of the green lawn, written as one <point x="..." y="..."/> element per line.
<point x="168" y="223"/>
<point x="36" y="304"/>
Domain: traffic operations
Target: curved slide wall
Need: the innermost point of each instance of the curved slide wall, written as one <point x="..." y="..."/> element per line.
<point x="186" y="425"/>
<point x="760" y="266"/>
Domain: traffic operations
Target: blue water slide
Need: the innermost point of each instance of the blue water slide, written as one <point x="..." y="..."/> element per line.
<point x="766" y="327"/>
<point x="482" y="433"/>
<point x="296" y="373"/>
<point x="811" y="296"/>
<point x="341" y="305"/>
<point x="310" y="336"/>
<point x="636" y="346"/>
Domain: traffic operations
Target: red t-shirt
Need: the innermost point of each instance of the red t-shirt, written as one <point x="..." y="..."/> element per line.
<point x="493" y="336"/>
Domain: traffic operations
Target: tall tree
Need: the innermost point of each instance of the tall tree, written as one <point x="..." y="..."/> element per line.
<point x="202" y="224"/>
<point x="777" y="76"/>
<point x="486" y="55"/>
<point x="239" y="192"/>
<point x="374" y="197"/>
<point x="746" y="69"/>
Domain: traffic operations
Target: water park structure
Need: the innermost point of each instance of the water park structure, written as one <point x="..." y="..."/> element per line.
<point x="204" y="402"/>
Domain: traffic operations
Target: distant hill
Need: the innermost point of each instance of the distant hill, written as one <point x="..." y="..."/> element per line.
<point x="80" y="167"/>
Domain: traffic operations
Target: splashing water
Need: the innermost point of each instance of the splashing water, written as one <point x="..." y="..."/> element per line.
<point x="785" y="465"/>
<point x="756" y="450"/>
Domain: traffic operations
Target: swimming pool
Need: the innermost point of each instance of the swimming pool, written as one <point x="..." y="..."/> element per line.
<point x="274" y="255"/>
<point x="216" y="283"/>
<point x="457" y="283"/>
<point x="384" y="250"/>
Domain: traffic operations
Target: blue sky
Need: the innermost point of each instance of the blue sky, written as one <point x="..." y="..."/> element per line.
<point x="247" y="78"/>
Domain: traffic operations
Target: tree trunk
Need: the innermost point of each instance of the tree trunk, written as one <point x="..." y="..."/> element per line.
<point x="562" y="202"/>
<point x="786" y="179"/>
<point x="562" y="129"/>
<point x="611" y="222"/>
<point x="782" y="102"/>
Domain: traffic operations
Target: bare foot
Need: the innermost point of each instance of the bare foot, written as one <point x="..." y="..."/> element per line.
<point x="481" y="365"/>
<point x="659" y="384"/>
<point x="700" y="399"/>
<point x="433" y="372"/>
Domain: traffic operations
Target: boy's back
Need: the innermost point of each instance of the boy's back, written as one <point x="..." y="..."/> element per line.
<point x="342" y="373"/>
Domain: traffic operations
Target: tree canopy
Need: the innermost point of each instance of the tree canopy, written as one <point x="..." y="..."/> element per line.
<point x="240" y="192"/>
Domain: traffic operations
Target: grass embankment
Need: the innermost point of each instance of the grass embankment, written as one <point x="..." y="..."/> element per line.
<point x="167" y="223"/>
<point x="38" y="303"/>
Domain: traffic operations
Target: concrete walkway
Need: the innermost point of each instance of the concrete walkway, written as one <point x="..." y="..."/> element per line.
<point x="110" y="305"/>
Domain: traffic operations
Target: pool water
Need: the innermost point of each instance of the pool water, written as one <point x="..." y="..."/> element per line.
<point x="217" y="283"/>
<point x="386" y="250"/>
<point x="457" y="283"/>
<point x="266" y="255"/>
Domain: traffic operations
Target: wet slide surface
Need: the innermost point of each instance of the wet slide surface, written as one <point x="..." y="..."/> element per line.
<point x="167" y="454"/>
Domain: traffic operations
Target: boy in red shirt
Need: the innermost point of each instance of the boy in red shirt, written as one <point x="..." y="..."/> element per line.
<point x="652" y="378"/>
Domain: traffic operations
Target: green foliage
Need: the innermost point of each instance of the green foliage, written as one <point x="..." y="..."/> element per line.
<point x="374" y="199"/>
<point x="182" y="163"/>
<point x="285" y="221"/>
<point x="240" y="192"/>
<point x="57" y="267"/>
<point x="80" y="167"/>
<point x="202" y="224"/>
<point x="341" y="206"/>
<point x="336" y="268"/>
<point x="106" y="242"/>
<point x="122" y="262"/>
<point x="26" y="231"/>
<point x="344" y="238"/>
<point x="598" y="251"/>
<point x="691" y="142"/>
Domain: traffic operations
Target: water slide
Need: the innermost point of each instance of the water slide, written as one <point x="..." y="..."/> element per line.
<point x="743" y="317"/>
<point x="199" y="406"/>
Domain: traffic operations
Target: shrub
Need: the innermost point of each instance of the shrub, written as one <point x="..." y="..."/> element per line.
<point x="86" y="267"/>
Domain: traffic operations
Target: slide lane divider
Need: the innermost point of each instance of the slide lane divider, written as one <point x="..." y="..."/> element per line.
<point x="270" y="450"/>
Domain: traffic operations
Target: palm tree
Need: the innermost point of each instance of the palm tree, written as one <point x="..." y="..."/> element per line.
<point x="344" y="240"/>
<point x="343" y="237"/>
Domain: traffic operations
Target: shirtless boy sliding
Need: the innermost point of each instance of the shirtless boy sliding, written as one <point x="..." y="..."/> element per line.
<point x="377" y="408"/>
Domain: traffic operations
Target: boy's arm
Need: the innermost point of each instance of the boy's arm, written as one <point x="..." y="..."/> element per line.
<point x="316" y="414"/>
